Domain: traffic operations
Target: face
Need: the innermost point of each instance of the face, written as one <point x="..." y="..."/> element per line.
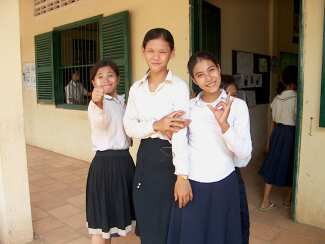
<point x="232" y="90"/>
<point x="107" y="78"/>
<point x="76" y="76"/>
<point x="157" y="54"/>
<point x="207" y="76"/>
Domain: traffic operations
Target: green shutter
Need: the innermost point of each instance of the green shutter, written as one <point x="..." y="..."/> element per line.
<point x="196" y="25"/>
<point x="44" y="67"/>
<point x="322" y="97"/>
<point x="115" y="44"/>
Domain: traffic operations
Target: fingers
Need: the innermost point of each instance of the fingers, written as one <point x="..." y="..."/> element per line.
<point x="97" y="94"/>
<point x="175" y="114"/>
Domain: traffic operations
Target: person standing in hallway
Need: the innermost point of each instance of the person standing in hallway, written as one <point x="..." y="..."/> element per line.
<point x="277" y="168"/>
<point x="230" y="86"/>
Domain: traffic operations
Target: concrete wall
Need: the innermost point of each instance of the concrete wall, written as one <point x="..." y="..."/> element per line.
<point x="310" y="197"/>
<point x="15" y="211"/>
<point x="67" y="131"/>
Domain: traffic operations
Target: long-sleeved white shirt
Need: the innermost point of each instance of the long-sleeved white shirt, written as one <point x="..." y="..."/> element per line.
<point x="145" y="107"/>
<point x="107" y="131"/>
<point x="75" y="93"/>
<point x="213" y="155"/>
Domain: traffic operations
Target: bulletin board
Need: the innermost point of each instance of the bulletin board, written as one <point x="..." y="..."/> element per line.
<point x="252" y="75"/>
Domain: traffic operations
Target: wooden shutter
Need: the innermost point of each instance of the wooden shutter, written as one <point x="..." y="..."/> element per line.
<point x="44" y="67"/>
<point x="115" y="44"/>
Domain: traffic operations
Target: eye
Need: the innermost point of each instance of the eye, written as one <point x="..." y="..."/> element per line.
<point x="212" y="69"/>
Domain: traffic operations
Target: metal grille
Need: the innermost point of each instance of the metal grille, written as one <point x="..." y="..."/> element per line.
<point x="44" y="6"/>
<point x="79" y="50"/>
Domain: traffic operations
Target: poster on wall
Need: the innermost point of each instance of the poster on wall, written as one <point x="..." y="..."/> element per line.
<point x="245" y="63"/>
<point x="29" y="75"/>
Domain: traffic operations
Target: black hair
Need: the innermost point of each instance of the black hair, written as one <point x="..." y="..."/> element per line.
<point x="157" y="33"/>
<point x="103" y="63"/>
<point x="290" y="75"/>
<point x="228" y="80"/>
<point x="197" y="57"/>
<point x="280" y="87"/>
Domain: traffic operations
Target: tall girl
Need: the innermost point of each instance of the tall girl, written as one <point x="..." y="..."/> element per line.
<point x="277" y="168"/>
<point x="109" y="185"/>
<point x="154" y="105"/>
<point x="219" y="140"/>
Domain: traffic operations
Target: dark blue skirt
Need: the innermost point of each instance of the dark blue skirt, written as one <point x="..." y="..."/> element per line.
<point x="109" y="204"/>
<point x="153" y="189"/>
<point x="213" y="217"/>
<point x="277" y="168"/>
<point x="244" y="211"/>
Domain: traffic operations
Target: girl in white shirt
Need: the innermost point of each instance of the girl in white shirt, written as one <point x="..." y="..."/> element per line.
<point x="162" y="159"/>
<point x="277" y="168"/>
<point x="109" y="204"/>
<point x="219" y="140"/>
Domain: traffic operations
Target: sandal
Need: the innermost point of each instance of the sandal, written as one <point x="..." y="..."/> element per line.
<point x="270" y="207"/>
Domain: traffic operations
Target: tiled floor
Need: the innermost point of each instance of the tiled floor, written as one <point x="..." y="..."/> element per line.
<point x="57" y="186"/>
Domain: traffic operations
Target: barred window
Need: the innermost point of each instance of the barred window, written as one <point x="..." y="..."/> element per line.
<point x="79" y="50"/>
<point x="65" y="56"/>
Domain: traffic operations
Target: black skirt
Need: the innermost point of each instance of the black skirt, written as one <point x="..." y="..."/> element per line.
<point x="109" y="205"/>
<point x="277" y="168"/>
<point x="153" y="190"/>
<point x="212" y="217"/>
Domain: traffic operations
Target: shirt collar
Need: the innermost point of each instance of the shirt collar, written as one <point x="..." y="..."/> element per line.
<point x="169" y="78"/>
<point x="287" y="94"/>
<point x="198" y="101"/>
<point x="110" y="98"/>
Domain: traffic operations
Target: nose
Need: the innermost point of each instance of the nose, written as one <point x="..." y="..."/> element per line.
<point x="207" y="77"/>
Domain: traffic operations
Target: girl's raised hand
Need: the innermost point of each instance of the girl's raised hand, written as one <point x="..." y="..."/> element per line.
<point x="221" y="112"/>
<point x="97" y="94"/>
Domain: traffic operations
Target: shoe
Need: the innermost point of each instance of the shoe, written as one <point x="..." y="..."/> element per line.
<point x="268" y="208"/>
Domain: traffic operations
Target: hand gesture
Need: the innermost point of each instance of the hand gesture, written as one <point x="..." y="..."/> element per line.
<point x="221" y="112"/>
<point x="97" y="94"/>
<point x="171" y="123"/>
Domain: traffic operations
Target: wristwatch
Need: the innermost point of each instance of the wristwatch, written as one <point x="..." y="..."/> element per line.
<point x="184" y="177"/>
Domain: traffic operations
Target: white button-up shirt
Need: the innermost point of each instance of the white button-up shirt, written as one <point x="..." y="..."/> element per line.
<point x="145" y="107"/>
<point x="75" y="93"/>
<point x="284" y="108"/>
<point x="107" y="131"/>
<point x="213" y="155"/>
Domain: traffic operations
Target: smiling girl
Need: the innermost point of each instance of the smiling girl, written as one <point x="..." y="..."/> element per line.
<point x="154" y="105"/>
<point x="219" y="140"/>
<point x="109" y="204"/>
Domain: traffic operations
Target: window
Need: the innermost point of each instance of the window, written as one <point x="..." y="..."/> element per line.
<point x="65" y="56"/>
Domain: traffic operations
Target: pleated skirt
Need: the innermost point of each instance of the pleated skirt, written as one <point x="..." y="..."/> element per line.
<point x="277" y="168"/>
<point x="109" y="203"/>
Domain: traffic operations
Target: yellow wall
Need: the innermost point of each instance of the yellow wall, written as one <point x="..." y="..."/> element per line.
<point x="67" y="131"/>
<point x="310" y="207"/>
<point x="15" y="212"/>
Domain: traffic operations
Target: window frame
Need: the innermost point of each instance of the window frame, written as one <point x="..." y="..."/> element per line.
<point x="58" y="91"/>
